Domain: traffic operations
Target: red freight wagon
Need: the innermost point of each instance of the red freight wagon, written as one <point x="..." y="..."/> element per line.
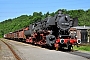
<point x="9" y="35"/>
<point x="21" y="35"/>
<point x="12" y="35"/>
<point x="16" y="34"/>
<point x="6" y="36"/>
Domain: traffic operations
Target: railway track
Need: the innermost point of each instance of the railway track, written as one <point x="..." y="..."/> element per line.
<point x="12" y="50"/>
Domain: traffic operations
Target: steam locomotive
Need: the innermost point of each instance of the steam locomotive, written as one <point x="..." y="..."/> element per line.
<point x="51" y="32"/>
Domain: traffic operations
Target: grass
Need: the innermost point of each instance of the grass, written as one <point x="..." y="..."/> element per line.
<point x="82" y="48"/>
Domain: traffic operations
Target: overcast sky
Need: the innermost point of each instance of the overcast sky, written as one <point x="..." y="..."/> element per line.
<point x="15" y="8"/>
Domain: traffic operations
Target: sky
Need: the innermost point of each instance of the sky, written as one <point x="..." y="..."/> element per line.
<point x="10" y="9"/>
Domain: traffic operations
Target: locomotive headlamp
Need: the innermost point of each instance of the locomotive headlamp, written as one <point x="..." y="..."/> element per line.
<point x="79" y="41"/>
<point x="61" y="41"/>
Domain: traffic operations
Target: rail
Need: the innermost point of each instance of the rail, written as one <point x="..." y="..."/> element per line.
<point x="14" y="53"/>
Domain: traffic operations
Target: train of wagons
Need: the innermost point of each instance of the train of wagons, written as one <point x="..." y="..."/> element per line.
<point x="53" y="32"/>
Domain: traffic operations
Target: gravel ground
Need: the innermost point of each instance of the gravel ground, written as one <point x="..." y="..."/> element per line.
<point x="5" y="53"/>
<point x="30" y="52"/>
